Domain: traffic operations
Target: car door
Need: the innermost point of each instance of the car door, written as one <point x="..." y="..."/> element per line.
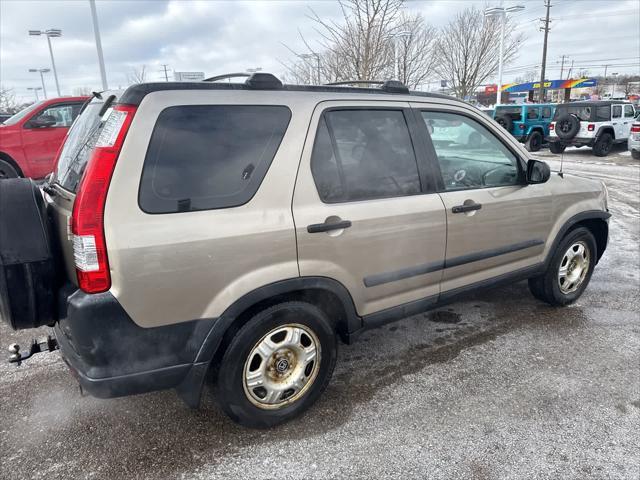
<point x="496" y="224"/>
<point x="617" y="121"/>
<point x="365" y="211"/>
<point x="628" y="118"/>
<point x="41" y="144"/>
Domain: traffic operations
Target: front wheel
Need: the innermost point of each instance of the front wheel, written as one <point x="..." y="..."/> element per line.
<point x="603" y="145"/>
<point x="277" y="365"/>
<point x="569" y="270"/>
<point x="7" y="170"/>
<point x="534" y="142"/>
<point x="556" y="147"/>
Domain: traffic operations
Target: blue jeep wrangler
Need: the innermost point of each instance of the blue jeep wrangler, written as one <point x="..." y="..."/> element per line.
<point x="528" y="122"/>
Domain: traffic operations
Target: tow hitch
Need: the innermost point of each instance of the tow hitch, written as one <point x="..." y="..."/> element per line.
<point x="40" y="345"/>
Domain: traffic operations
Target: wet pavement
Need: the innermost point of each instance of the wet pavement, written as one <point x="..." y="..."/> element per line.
<point x="496" y="386"/>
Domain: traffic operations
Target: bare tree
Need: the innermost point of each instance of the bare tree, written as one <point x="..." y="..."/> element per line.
<point x="8" y="102"/>
<point x="468" y="51"/>
<point x="138" y="75"/>
<point x="528" y="76"/>
<point x="82" y="91"/>
<point x="416" y="50"/>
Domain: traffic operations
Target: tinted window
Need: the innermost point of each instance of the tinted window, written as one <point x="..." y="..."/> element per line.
<point x="362" y="155"/>
<point x="628" y="111"/>
<point x="583" y="112"/>
<point x="616" y="111"/>
<point x="603" y="113"/>
<point x="470" y="156"/>
<point x="532" y="113"/>
<point x="514" y="112"/>
<point x="546" y="112"/>
<point x="203" y="157"/>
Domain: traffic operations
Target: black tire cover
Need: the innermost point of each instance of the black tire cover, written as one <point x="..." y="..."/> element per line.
<point x="567" y="126"/>
<point x="505" y="121"/>
<point x="28" y="281"/>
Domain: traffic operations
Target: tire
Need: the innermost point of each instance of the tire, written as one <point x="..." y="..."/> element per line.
<point x="251" y="406"/>
<point x="635" y="154"/>
<point x="603" y="145"/>
<point x="567" y="126"/>
<point x="556" y="147"/>
<point x="505" y="122"/>
<point x="7" y="170"/>
<point x="549" y="287"/>
<point x="534" y="142"/>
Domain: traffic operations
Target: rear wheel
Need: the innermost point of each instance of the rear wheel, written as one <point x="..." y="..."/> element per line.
<point x="534" y="142"/>
<point x="277" y="365"/>
<point x="569" y="270"/>
<point x="556" y="147"/>
<point x="7" y="170"/>
<point x="603" y="145"/>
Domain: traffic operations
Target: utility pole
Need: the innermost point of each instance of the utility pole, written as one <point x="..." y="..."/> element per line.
<point x="562" y="67"/>
<point x="544" y="28"/>
<point x="166" y="71"/>
<point x="96" y="33"/>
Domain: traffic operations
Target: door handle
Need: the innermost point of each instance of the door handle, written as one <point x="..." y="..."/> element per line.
<point x="327" y="227"/>
<point x="468" y="207"/>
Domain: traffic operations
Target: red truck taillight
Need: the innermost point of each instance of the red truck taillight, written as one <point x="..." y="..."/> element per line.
<point x="635" y="128"/>
<point x="87" y="219"/>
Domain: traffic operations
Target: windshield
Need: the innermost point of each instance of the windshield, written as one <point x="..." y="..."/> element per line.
<point x="78" y="145"/>
<point x="22" y="113"/>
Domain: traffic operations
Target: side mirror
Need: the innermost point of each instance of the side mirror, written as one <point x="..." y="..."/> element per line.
<point x="537" y="171"/>
<point x="43" y="121"/>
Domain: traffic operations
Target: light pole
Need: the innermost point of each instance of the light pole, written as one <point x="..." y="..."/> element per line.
<point x="96" y="32"/>
<point x="501" y="13"/>
<point x="41" y="71"/>
<point x="51" y="33"/>
<point x="615" y="83"/>
<point x="396" y="58"/>
<point x="35" y="90"/>
<point x="307" y="56"/>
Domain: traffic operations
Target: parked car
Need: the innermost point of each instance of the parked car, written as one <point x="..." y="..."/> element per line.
<point x="30" y="139"/>
<point x="595" y="124"/>
<point x="634" y="141"/>
<point x="232" y="233"/>
<point x="529" y="123"/>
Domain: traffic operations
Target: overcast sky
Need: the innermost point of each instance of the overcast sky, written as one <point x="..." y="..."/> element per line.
<point x="220" y="36"/>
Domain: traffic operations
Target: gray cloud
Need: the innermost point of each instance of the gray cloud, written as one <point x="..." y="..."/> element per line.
<point x="220" y="36"/>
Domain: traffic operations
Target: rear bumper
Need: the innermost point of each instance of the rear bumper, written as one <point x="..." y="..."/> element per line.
<point x="111" y="356"/>
<point x="575" y="141"/>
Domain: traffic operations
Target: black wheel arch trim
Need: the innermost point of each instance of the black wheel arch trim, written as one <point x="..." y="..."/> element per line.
<point x="571" y="222"/>
<point x="605" y="129"/>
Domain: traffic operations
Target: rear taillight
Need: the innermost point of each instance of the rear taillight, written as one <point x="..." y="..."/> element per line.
<point x="552" y="126"/>
<point x="87" y="219"/>
<point x="521" y="126"/>
<point x="635" y="128"/>
<point x="591" y="127"/>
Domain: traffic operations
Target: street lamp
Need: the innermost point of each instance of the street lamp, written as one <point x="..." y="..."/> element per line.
<point x="396" y="36"/>
<point x="41" y="71"/>
<point x="35" y="90"/>
<point x="501" y="13"/>
<point x="307" y="56"/>
<point x="615" y="84"/>
<point x="51" y="33"/>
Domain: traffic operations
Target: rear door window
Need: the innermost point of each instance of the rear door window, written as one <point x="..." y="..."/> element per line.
<point x="546" y="113"/>
<point x="203" y="157"/>
<point x="363" y="155"/>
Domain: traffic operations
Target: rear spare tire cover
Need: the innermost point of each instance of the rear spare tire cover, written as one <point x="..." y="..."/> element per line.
<point x="505" y="122"/>
<point x="28" y="282"/>
<point x="567" y="126"/>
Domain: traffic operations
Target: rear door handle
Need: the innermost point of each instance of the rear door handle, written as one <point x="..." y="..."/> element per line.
<point x="327" y="227"/>
<point x="469" y="207"/>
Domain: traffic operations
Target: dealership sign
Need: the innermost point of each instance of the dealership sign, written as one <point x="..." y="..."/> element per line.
<point x="550" y="84"/>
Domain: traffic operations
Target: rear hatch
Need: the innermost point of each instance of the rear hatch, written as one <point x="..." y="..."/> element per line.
<point x="71" y="164"/>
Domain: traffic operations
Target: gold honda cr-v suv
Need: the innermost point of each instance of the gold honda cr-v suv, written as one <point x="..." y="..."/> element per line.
<point x="233" y="232"/>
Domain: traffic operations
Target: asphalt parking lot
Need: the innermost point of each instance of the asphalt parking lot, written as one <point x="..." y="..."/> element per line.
<point x="498" y="386"/>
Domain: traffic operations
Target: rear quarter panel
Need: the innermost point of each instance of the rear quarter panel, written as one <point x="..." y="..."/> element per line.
<point x="170" y="268"/>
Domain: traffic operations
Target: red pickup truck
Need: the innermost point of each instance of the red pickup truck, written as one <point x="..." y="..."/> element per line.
<point x="29" y="141"/>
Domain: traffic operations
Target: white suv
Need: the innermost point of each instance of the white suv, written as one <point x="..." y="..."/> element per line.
<point x="595" y="124"/>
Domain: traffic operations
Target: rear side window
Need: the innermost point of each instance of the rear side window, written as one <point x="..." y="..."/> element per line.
<point x="603" y="113"/>
<point x="616" y="111"/>
<point x="546" y="112"/>
<point x="204" y="157"/>
<point x="364" y="155"/>
<point x="514" y="112"/>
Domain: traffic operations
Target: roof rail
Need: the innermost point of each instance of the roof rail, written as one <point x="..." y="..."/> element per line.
<point x="389" y="86"/>
<point x="255" y="81"/>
